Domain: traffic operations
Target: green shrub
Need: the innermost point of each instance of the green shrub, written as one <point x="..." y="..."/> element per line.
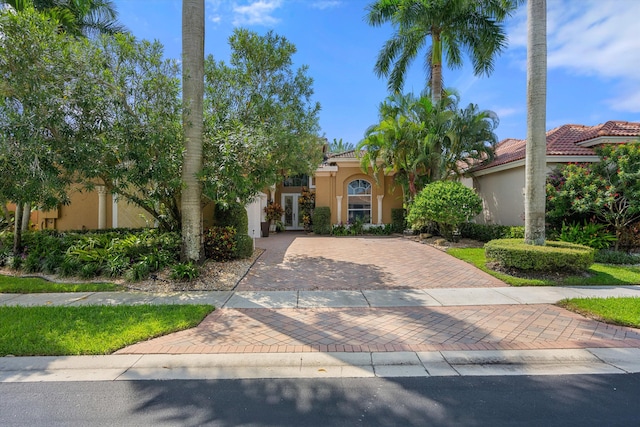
<point x="589" y="234"/>
<point x="89" y="270"/>
<point x="138" y="271"/>
<point x="31" y="263"/>
<point x="234" y="215"/>
<point x="398" y="221"/>
<point x="69" y="266"/>
<point x="487" y="232"/>
<point x="616" y="257"/>
<point x="184" y="271"/>
<point x="244" y="246"/>
<point x="553" y="256"/>
<point x="51" y="262"/>
<point x="447" y="203"/>
<point x="322" y="220"/>
<point x="220" y="243"/>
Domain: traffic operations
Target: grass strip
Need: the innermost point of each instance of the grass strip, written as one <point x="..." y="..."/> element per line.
<point x="619" y="311"/>
<point x="599" y="274"/>
<point x="58" y="331"/>
<point x="31" y="285"/>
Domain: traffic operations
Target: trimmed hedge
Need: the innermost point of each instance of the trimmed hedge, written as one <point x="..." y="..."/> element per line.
<point x="235" y="215"/>
<point x="487" y="232"/>
<point x="553" y="256"/>
<point x="322" y="220"/>
<point x="244" y="246"/>
<point x="398" y="221"/>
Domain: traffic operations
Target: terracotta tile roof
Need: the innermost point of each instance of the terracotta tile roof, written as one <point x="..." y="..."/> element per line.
<point x="351" y="154"/>
<point x="563" y="141"/>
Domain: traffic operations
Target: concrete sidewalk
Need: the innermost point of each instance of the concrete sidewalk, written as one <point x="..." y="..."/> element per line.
<point x="382" y="298"/>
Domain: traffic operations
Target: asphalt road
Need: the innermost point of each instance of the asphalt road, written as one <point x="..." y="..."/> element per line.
<point x="584" y="400"/>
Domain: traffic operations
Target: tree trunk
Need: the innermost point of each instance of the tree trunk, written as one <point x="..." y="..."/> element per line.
<point x="436" y="98"/>
<point x="192" y="98"/>
<point x="26" y="216"/>
<point x="536" y="149"/>
<point x="17" y="230"/>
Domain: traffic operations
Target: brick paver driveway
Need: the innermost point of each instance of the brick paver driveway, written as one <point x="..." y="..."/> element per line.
<point x="294" y="261"/>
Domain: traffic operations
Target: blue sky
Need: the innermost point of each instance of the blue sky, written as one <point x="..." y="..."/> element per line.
<point x="593" y="58"/>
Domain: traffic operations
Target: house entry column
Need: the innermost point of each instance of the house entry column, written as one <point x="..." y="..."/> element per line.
<point x="380" y="197"/>
<point x="339" y="199"/>
<point x="102" y="207"/>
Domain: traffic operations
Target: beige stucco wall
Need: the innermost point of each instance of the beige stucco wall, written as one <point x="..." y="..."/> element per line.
<point x="502" y="195"/>
<point x="333" y="184"/>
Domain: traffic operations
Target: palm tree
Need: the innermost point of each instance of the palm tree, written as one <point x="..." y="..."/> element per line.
<point x="393" y="145"/>
<point x="451" y="27"/>
<point x="192" y="123"/>
<point x="470" y="140"/>
<point x="535" y="164"/>
<point x="82" y="18"/>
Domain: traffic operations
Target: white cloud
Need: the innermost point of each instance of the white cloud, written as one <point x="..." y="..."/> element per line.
<point x="503" y="112"/>
<point x="256" y="13"/>
<point x="592" y="38"/>
<point x="215" y="18"/>
<point x="326" y="4"/>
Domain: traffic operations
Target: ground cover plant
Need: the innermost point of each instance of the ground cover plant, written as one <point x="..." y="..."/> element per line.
<point x="596" y="275"/>
<point x="619" y="311"/>
<point x="54" y="331"/>
<point x="28" y="285"/>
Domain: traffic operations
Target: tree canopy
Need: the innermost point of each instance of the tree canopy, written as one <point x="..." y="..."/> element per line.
<point x="445" y="28"/>
<point x="419" y="142"/>
<point x="107" y="111"/>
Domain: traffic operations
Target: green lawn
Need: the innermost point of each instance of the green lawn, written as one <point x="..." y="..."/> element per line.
<point x="21" y="285"/>
<point x="54" y="331"/>
<point x="600" y="274"/>
<point x="619" y="311"/>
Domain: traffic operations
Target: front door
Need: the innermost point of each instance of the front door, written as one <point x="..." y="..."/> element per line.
<point x="291" y="218"/>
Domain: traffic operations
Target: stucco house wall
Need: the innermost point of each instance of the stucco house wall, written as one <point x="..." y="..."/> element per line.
<point x="332" y="181"/>
<point x="501" y="182"/>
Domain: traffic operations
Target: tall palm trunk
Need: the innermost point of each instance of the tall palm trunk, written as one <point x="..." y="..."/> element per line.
<point x="535" y="196"/>
<point x="436" y="97"/>
<point x="192" y="96"/>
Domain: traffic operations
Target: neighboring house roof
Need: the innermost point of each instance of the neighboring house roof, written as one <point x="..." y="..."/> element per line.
<point x="566" y="140"/>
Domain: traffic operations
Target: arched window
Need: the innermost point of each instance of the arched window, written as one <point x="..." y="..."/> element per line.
<point x="359" y="201"/>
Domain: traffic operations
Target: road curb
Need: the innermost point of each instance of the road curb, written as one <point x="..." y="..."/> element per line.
<point x="320" y="365"/>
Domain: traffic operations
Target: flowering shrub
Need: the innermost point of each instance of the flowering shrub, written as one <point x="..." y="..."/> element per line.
<point x="220" y="243"/>
<point x="307" y="203"/>
<point x="608" y="189"/>
<point x="274" y="211"/>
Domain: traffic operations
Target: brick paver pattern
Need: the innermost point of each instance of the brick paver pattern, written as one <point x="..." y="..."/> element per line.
<point x="391" y="329"/>
<point x="352" y="263"/>
<point x="297" y="262"/>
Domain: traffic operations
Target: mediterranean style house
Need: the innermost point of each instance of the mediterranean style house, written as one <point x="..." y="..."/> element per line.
<point x="501" y="182"/>
<point x="338" y="183"/>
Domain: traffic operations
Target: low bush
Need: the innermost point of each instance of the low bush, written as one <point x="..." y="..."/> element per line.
<point x="220" y="243"/>
<point x="322" y="220"/>
<point x="616" y="257"/>
<point x="185" y="271"/>
<point x="553" y="256"/>
<point x="487" y="232"/>
<point x="589" y="234"/>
